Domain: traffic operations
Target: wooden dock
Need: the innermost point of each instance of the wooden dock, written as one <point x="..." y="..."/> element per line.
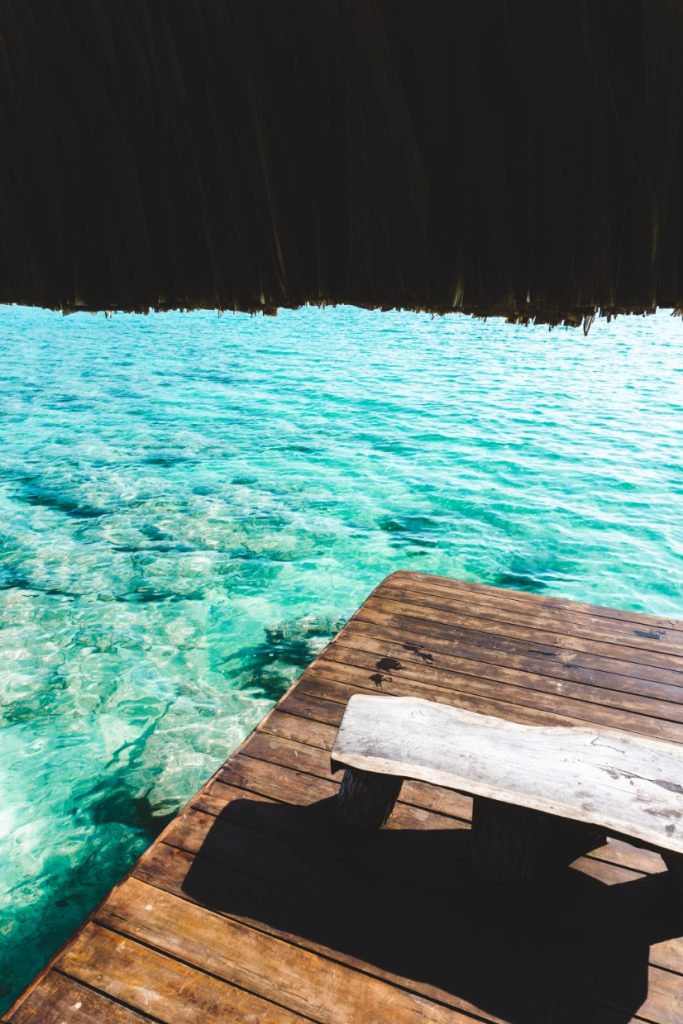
<point x="255" y="905"/>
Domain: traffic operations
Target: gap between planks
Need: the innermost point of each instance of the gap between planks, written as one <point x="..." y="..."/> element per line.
<point x="495" y="605"/>
<point x="428" y="650"/>
<point x="485" y="646"/>
<point x="390" y="602"/>
<point x="337" y="681"/>
<point x="558" y="605"/>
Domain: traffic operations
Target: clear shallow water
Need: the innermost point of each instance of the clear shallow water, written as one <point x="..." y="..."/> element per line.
<point x="191" y="505"/>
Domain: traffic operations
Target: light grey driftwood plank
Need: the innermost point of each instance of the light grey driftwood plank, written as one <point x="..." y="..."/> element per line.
<point x="627" y="784"/>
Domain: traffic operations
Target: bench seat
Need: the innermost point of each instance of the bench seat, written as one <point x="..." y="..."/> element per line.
<point x="541" y="793"/>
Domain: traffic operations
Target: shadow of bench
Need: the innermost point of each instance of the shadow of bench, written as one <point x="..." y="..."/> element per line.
<point x="542" y="795"/>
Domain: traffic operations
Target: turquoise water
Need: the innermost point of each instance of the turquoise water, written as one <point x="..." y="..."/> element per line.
<point x="191" y="505"/>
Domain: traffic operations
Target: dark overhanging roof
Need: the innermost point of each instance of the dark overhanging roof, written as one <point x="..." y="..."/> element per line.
<point x="517" y="158"/>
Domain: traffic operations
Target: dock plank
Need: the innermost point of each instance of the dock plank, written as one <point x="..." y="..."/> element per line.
<point x="260" y="963"/>
<point x="256" y="905"/>
<point x="337" y="680"/>
<point x="660" y="703"/>
<point x="494" y="664"/>
<point x="163" y="987"/>
<point x="591" y="628"/>
<point x="61" y="1000"/>
<point x="417" y="627"/>
<point x="567" y="609"/>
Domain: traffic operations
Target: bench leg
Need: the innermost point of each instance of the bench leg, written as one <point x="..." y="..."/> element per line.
<point x="366" y="799"/>
<point x="512" y="844"/>
<point x="674" y="862"/>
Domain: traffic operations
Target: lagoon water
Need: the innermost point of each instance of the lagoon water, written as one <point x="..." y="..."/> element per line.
<point x="190" y="505"/>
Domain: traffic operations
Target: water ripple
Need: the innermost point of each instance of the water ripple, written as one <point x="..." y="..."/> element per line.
<point x="191" y="505"/>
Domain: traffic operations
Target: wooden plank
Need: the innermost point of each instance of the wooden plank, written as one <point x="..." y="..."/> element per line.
<point x="415" y="621"/>
<point x="270" y="779"/>
<point x="61" y="1000"/>
<point x="494" y="605"/>
<point x="382" y="934"/>
<point x="339" y="681"/>
<point x="322" y="852"/>
<point x="308" y="860"/>
<point x="351" y="652"/>
<point x="241" y="805"/>
<point x="313" y="986"/>
<point x="165" y="989"/>
<point x="237" y="834"/>
<point x="322" y="989"/>
<point x="269" y="902"/>
<point x="598" y="910"/>
<point x="562" y="605"/>
<point x="232" y="803"/>
<point x="494" y="664"/>
<point x="303" y="729"/>
<point x="267" y="779"/>
<point x="316" y="761"/>
<point x="629" y="787"/>
<point x="410" y="605"/>
<point x="566" y="613"/>
<point x="311" y="706"/>
<point x="318" y="697"/>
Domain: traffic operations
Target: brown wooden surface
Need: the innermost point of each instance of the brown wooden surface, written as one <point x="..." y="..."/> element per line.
<point x="256" y="905"/>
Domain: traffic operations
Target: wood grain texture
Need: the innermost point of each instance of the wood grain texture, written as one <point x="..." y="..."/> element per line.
<point x="61" y="1000"/>
<point x="165" y="988"/>
<point x="626" y="785"/>
<point x="366" y="799"/>
<point x="256" y="904"/>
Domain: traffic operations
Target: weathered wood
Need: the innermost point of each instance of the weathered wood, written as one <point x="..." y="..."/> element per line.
<point x="366" y="799"/>
<point x="466" y="619"/>
<point x="301" y="729"/>
<point x="243" y="956"/>
<point x="505" y="950"/>
<point x="621" y="784"/>
<point x="420" y="624"/>
<point x="341" y="680"/>
<point x="485" y="682"/>
<point x="503" y="666"/>
<point x="162" y="987"/>
<point x="567" y="610"/>
<point x="328" y="924"/>
<point x="499" y="609"/>
<point x="61" y="1000"/>
<point x="276" y="750"/>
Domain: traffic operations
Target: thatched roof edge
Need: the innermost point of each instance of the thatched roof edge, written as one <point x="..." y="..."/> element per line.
<point x="521" y="160"/>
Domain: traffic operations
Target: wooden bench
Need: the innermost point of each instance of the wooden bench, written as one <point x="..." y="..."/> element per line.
<point x="542" y="795"/>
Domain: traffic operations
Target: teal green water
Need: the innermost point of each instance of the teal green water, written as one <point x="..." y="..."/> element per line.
<point x="191" y="505"/>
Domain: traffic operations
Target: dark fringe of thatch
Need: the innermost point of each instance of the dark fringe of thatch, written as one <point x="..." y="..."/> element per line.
<point x="517" y="158"/>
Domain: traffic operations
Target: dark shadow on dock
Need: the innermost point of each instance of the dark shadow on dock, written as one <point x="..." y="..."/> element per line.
<point x="568" y="948"/>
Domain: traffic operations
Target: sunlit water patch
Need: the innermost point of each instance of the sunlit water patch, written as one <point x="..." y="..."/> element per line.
<point x="191" y="505"/>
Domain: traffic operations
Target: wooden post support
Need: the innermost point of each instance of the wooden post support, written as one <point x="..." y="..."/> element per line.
<point x="366" y="799"/>
<point x="513" y="844"/>
<point x="674" y="862"/>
